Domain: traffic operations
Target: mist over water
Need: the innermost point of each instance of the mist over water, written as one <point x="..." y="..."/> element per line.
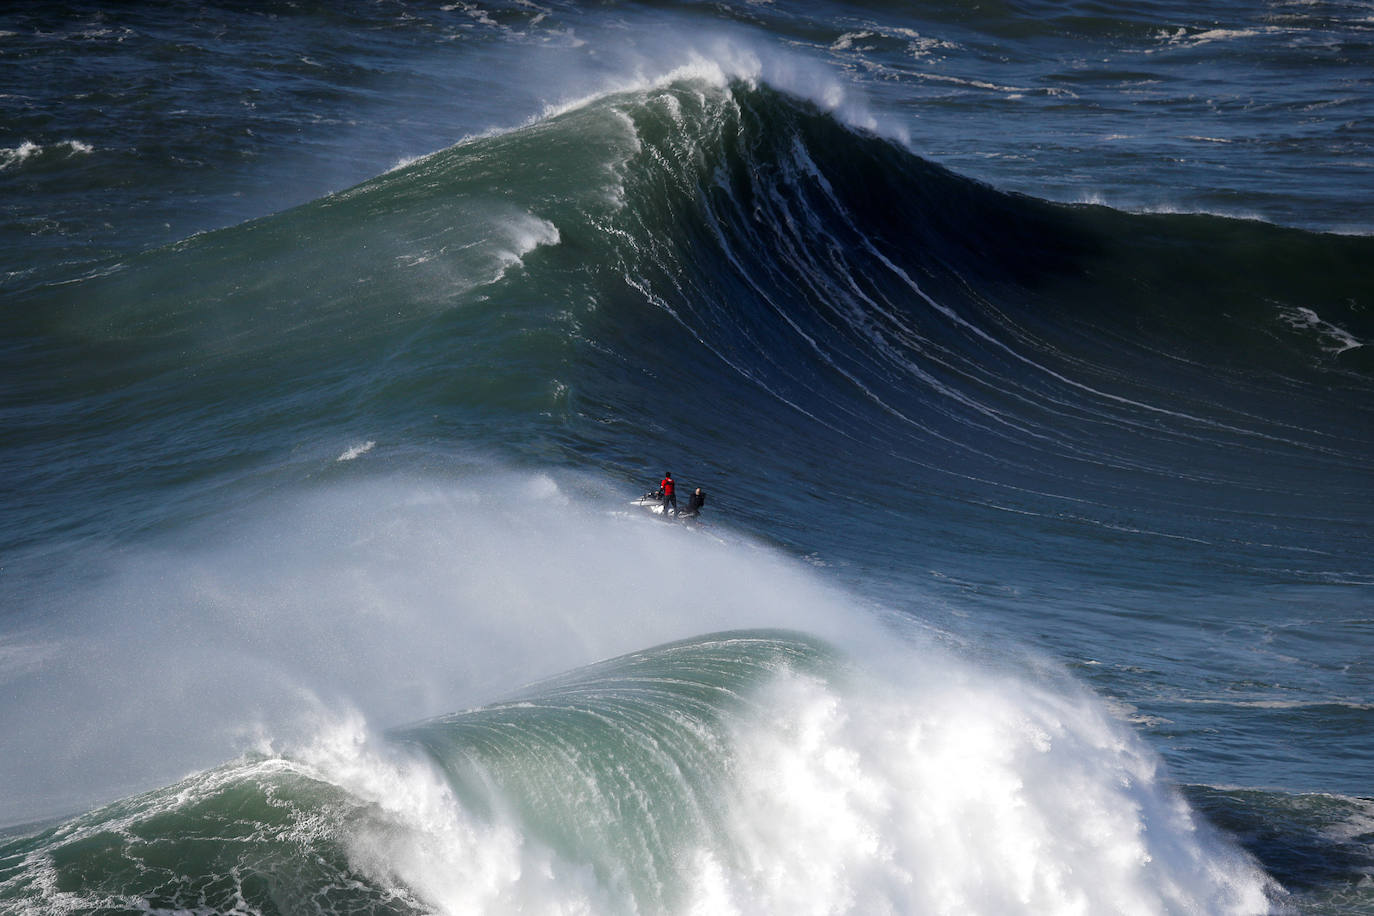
<point x="398" y="598"/>
<point x="865" y="750"/>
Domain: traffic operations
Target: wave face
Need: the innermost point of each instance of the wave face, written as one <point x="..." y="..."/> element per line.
<point x="701" y="242"/>
<point x="1034" y="574"/>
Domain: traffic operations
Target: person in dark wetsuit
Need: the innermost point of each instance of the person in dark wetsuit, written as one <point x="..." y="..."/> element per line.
<point x="669" y="492"/>
<point x="695" y="502"/>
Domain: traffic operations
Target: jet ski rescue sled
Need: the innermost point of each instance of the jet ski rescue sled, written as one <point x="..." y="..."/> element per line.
<point x="651" y="501"/>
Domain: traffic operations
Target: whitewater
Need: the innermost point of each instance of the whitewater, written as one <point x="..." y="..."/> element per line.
<point x="862" y="766"/>
<point x="1023" y="353"/>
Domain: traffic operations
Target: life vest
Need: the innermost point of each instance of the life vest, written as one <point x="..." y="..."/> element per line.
<point x="667" y="486"/>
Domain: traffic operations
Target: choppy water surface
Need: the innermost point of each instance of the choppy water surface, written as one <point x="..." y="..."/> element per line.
<point x="1022" y="351"/>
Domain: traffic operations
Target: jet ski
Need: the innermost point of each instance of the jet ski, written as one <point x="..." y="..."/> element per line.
<point x="653" y="501"/>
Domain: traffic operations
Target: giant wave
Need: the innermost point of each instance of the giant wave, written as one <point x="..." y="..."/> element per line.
<point x="712" y="242"/>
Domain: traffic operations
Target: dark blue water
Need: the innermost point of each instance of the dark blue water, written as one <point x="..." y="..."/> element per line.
<point x="1022" y="353"/>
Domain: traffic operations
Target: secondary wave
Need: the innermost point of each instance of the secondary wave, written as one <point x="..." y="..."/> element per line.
<point x="747" y="771"/>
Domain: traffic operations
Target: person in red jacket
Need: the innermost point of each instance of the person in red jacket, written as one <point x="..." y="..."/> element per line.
<point x="669" y="492"/>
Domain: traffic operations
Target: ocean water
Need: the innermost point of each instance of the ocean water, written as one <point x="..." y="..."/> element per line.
<point x="1023" y="351"/>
